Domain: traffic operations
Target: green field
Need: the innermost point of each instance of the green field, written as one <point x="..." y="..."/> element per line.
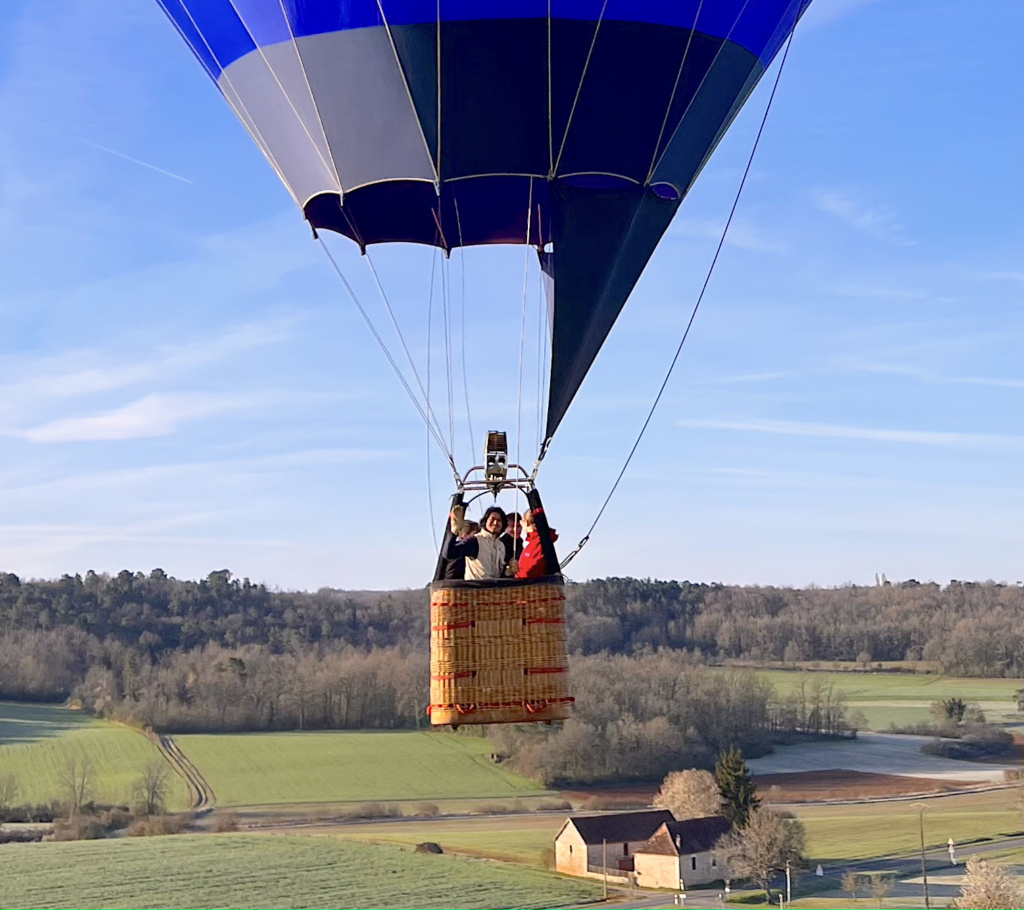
<point x="213" y="870"/>
<point x="523" y="839"/>
<point x="833" y="832"/>
<point x="883" y="828"/>
<point x="903" y="698"/>
<point x="37" y="741"/>
<point x="319" y="767"/>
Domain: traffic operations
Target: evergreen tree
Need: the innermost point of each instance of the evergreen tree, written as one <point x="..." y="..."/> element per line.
<point x="736" y="785"/>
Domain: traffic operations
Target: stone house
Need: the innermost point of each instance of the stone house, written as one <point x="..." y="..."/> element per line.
<point x="681" y="852"/>
<point x="587" y="844"/>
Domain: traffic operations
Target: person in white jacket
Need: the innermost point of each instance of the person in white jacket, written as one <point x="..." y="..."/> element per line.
<point x="484" y="552"/>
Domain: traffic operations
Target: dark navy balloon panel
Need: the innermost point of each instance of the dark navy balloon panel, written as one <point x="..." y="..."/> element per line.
<point x="573" y="125"/>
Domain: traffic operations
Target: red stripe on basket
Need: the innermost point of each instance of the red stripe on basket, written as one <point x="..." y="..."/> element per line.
<point x="536" y="705"/>
<point x="448" y="626"/>
<point x="534" y="671"/>
<point x="543" y="619"/>
<point x="446" y="676"/>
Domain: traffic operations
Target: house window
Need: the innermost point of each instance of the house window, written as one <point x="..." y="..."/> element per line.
<point x="625" y="849"/>
<point x="693" y="863"/>
<point x="570" y="849"/>
<point x="714" y="861"/>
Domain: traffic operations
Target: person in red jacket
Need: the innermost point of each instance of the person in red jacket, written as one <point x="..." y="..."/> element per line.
<point x="532" y="563"/>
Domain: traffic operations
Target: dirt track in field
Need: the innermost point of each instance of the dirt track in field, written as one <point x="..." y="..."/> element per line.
<point x="202" y="797"/>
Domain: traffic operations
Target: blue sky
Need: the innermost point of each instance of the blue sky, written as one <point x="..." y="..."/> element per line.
<point x="185" y="384"/>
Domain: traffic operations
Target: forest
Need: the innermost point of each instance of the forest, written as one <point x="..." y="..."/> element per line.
<point x="224" y="654"/>
<point x="969" y="629"/>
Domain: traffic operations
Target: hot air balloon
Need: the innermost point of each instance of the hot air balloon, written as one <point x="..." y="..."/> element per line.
<point x="575" y="127"/>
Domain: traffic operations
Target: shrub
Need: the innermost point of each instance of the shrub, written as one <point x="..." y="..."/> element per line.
<point x="116" y="818"/>
<point x="428" y="810"/>
<point x="371" y="810"/>
<point x="223" y="822"/>
<point x="554" y="805"/>
<point x="970" y="748"/>
<point x="157" y="825"/>
<point x="493" y="809"/>
<point x="82" y="827"/>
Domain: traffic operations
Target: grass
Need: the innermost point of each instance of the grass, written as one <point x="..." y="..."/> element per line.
<point x="884" y="828"/>
<point x="518" y="840"/>
<point x="267" y="871"/>
<point x="834" y="833"/>
<point x="37" y="741"/>
<point x="901" y="698"/>
<point x="888" y="687"/>
<point x="279" y="768"/>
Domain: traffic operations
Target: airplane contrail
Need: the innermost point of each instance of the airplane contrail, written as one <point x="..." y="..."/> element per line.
<point x="104" y="148"/>
<point x="152" y="167"/>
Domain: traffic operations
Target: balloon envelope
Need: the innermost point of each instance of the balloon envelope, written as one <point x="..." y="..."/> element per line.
<point x="576" y="126"/>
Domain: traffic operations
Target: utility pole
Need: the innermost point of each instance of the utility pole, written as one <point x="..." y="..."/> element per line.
<point x="789" y="885"/>
<point x="604" y="864"/>
<point x="924" y="868"/>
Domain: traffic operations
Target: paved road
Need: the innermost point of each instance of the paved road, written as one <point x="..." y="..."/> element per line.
<point x="878" y="753"/>
<point x="943" y="883"/>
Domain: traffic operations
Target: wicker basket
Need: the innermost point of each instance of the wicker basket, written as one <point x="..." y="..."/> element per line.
<point x="498" y="652"/>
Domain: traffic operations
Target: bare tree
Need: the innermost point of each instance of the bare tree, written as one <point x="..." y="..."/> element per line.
<point x="689" y="794"/>
<point x="880" y="886"/>
<point x="988" y="886"/>
<point x="760" y="849"/>
<point x="8" y="791"/>
<point x="75" y="778"/>
<point x="851" y="883"/>
<point x="149" y="791"/>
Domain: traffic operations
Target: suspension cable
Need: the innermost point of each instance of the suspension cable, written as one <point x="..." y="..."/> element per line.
<point x="398" y="372"/>
<point x="446" y="310"/>
<point x="693" y="314"/>
<point x="430" y="316"/>
<point x="398" y="331"/>
<point x="522" y="333"/>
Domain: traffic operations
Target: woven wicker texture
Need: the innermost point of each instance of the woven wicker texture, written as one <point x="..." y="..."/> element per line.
<point x="498" y="655"/>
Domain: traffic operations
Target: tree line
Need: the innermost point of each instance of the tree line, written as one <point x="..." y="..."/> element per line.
<point x="640" y="716"/>
<point x="970" y="629"/>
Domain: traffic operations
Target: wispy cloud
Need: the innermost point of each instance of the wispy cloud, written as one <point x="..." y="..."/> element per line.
<point x="929" y="376"/>
<point x="88" y="372"/>
<point x="751" y="377"/>
<point x="153" y="415"/>
<point x="875" y="221"/>
<point x="868" y="434"/>
<point x="190" y="471"/>
<point x="881" y="292"/>
<point x="1004" y="276"/>
<point x="742" y="234"/>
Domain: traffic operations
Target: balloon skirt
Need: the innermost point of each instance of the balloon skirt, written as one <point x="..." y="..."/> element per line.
<point x="498" y="652"/>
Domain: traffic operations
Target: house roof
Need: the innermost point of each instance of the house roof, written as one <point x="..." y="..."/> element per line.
<point x="619" y="826"/>
<point x="692" y="835"/>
